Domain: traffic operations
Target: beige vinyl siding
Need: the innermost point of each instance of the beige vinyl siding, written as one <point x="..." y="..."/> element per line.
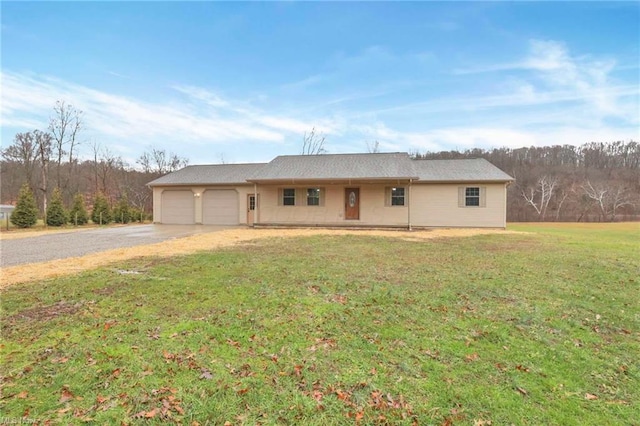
<point x="443" y="205"/>
<point x="432" y="205"/>
<point x="374" y="210"/>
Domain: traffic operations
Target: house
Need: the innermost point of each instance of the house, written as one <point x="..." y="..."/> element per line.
<point x="354" y="190"/>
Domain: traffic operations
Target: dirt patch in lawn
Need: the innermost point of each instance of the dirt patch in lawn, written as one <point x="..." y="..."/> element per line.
<point x="41" y="313"/>
<point x="208" y="241"/>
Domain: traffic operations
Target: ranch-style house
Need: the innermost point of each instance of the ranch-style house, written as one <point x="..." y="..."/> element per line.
<point x="336" y="190"/>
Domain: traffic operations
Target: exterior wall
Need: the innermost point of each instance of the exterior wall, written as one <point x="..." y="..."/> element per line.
<point x="432" y="205"/>
<point x="242" y="190"/>
<point x="437" y="205"/>
<point x="373" y="207"/>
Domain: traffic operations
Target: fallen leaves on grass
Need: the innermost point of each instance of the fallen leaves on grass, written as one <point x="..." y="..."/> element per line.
<point x="323" y="343"/>
<point x="472" y="357"/>
<point x="206" y="374"/>
<point x="65" y="395"/>
<point x="168" y="407"/>
<point x="378" y="403"/>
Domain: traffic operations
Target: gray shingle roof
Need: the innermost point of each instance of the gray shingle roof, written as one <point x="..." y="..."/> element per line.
<point x="337" y="166"/>
<point x="478" y="170"/>
<point x="211" y="174"/>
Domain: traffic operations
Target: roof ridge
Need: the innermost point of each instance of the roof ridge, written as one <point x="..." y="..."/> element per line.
<point x="226" y="164"/>
<point x="341" y="154"/>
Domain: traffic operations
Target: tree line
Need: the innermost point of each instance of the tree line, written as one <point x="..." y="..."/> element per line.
<point x="46" y="164"/>
<point x="593" y="182"/>
<point x="596" y="181"/>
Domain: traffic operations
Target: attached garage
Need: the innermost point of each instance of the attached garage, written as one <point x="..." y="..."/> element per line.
<point x="178" y="207"/>
<point x="220" y="207"/>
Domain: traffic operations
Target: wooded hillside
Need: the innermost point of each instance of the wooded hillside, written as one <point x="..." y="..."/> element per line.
<point x="591" y="182"/>
<point x="597" y="181"/>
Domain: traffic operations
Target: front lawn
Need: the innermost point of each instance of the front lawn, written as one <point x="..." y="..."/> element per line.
<point x="537" y="328"/>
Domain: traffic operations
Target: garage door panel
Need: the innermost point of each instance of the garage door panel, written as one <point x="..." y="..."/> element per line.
<point x="220" y="207"/>
<point x="178" y="208"/>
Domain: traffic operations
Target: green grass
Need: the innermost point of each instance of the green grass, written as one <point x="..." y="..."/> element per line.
<point x="528" y="329"/>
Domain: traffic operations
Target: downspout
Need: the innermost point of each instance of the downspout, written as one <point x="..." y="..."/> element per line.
<point x="504" y="213"/>
<point x="409" y="207"/>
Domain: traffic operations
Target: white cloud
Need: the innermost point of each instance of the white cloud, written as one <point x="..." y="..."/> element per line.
<point x="557" y="76"/>
<point x="203" y="117"/>
<point x="553" y="98"/>
<point x="201" y="94"/>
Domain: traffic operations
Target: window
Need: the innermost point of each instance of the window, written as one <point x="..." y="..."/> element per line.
<point x="289" y="197"/>
<point x="397" y="196"/>
<point x="472" y="197"/>
<point x="313" y="196"/>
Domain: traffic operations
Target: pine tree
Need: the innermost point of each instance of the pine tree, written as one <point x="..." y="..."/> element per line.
<point x="122" y="212"/>
<point x="101" y="206"/>
<point x="56" y="213"/>
<point x="26" y="213"/>
<point x="78" y="213"/>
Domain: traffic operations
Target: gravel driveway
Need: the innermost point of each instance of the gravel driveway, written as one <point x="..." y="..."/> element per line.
<point x="79" y="243"/>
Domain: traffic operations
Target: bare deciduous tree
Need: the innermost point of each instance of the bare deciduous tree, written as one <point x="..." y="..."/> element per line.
<point x="160" y="162"/>
<point x="23" y="152"/>
<point x="609" y="198"/>
<point x="373" y="147"/>
<point x="313" y="143"/>
<point x="104" y="164"/>
<point x="64" y="125"/>
<point x="540" y="195"/>
<point x="43" y="142"/>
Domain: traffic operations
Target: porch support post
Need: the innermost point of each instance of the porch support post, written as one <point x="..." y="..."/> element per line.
<point x="409" y="207"/>
<point x="256" y="211"/>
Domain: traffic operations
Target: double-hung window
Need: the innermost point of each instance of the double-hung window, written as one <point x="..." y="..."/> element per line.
<point x="289" y="197"/>
<point x="313" y="196"/>
<point x="397" y="196"/>
<point x="472" y="196"/>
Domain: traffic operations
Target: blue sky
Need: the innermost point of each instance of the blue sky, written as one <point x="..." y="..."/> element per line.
<point x="243" y="82"/>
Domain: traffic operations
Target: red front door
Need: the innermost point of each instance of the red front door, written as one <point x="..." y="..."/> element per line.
<point x="352" y="203"/>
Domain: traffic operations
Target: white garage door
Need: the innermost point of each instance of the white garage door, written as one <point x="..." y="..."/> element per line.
<point x="220" y="207"/>
<point x="178" y="207"/>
